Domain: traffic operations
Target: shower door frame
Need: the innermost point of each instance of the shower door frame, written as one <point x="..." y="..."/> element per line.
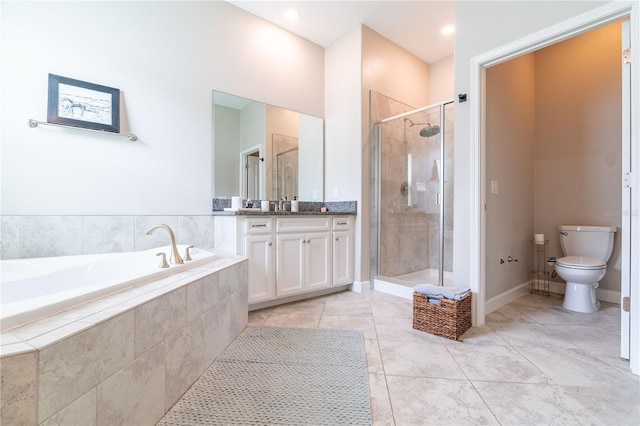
<point x="440" y="197"/>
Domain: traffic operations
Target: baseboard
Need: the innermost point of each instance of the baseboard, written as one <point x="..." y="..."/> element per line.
<point x="360" y="286"/>
<point x="508" y="296"/>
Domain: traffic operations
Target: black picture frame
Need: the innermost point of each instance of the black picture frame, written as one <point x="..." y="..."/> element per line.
<point x="81" y="104"/>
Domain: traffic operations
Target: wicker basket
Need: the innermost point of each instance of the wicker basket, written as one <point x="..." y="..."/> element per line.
<point x="450" y="319"/>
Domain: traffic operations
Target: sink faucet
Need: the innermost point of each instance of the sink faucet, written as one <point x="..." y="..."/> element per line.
<point x="175" y="256"/>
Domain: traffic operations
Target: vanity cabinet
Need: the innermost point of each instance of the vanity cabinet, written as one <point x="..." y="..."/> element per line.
<point x="259" y="248"/>
<point x="343" y="250"/>
<point x="290" y="256"/>
<point x="303" y="262"/>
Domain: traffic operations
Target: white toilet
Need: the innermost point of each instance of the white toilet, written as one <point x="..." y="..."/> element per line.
<point x="587" y="250"/>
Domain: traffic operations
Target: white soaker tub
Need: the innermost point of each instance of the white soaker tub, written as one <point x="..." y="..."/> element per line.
<point x="34" y="288"/>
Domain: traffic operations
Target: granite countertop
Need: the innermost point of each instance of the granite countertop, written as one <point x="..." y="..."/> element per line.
<point x="305" y="208"/>
<point x="281" y="213"/>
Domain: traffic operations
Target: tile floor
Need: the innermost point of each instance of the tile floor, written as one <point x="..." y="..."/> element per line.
<point x="532" y="363"/>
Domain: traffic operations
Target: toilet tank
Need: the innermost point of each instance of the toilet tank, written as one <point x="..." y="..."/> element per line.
<point x="588" y="241"/>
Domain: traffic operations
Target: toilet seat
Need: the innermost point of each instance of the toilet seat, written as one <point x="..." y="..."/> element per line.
<point x="581" y="262"/>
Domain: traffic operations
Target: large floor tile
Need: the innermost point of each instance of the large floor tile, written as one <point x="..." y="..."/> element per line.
<point x="348" y="322"/>
<point x="402" y="329"/>
<point x="533" y="404"/>
<point x="381" y="412"/>
<point x="424" y="401"/>
<point x="618" y="406"/>
<point x="418" y="359"/>
<point x="496" y="363"/>
<point x="292" y="320"/>
<point x="520" y="334"/>
<point x="575" y="367"/>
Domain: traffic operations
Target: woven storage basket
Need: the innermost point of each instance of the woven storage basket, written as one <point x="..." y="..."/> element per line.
<point x="450" y="319"/>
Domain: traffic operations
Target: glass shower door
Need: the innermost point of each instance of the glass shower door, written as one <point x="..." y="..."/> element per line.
<point x="410" y="198"/>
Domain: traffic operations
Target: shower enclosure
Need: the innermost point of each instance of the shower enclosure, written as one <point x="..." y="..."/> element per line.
<point x="414" y="196"/>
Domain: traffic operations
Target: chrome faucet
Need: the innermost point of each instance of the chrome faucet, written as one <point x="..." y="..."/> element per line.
<point x="175" y="256"/>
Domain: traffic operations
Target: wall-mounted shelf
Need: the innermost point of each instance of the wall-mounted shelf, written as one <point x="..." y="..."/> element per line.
<point x="34" y="123"/>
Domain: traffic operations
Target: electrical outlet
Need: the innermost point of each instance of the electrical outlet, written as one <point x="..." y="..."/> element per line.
<point x="336" y="193"/>
<point x="494" y="186"/>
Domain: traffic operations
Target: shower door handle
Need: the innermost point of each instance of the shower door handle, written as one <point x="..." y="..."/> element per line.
<point x="438" y="198"/>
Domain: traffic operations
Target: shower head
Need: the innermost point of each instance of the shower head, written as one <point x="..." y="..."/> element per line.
<point x="430" y="130"/>
<point x="426" y="132"/>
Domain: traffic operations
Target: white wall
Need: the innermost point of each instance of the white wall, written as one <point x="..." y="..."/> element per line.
<point x="482" y="26"/>
<point x="343" y="129"/>
<point x="166" y="58"/>
<point x="441" y="80"/>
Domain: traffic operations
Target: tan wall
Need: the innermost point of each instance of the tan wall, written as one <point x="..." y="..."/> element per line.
<point x="510" y="143"/>
<point x="554" y="146"/>
<point x="578" y="138"/>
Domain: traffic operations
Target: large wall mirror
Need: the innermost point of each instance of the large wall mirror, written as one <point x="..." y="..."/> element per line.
<point x="265" y="152"/>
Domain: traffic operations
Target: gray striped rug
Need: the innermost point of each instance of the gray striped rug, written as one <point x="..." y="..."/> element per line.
<point x="281" y="376"/>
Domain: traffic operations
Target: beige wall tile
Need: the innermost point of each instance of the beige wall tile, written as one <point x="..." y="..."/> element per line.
<point x="73" y="366"/>
<point x="134" y="395"/>
<point x="81" y="412"/>
<point x="185" y="360"/>
<point x="19" y="389"/>
<point x="202" y="295"/>
<point x="160" y="318"/>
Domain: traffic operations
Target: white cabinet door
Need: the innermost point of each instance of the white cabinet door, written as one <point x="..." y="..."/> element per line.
<point x="343" y="261"/>
<point x="290" y="259"/>
<point x="260" y="251"/>
<point x="318" y="260"/>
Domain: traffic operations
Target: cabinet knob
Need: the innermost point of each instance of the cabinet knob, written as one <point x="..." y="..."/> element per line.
<point x="337" y="238"/>
<point x="269" y="243"/>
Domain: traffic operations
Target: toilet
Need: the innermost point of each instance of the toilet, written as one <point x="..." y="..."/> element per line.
<point x="587" y="250"/>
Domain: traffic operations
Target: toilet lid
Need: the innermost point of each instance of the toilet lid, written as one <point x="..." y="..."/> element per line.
<point x="581" y="262"/>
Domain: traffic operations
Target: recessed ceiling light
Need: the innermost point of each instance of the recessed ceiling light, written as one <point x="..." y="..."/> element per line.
<point x="449" y="29"/>
<point x="291" y="14"/>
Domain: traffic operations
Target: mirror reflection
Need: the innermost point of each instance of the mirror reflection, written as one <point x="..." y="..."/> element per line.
<point x="265" y="152"/>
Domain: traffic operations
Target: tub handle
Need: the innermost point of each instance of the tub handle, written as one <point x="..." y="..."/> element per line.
<point x="163" y="260"/>
<point x="187" y="256"/>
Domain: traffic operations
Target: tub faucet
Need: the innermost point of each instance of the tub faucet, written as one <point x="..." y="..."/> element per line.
<point x="175" y="256"/>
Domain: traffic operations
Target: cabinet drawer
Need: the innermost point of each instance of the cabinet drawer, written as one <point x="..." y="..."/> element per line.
<point x="258" y="225"/>
<point x="342" y="223"/>
<point x="303" y="224"/>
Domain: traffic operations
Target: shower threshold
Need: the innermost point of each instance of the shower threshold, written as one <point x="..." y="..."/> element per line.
<point x="402" y="285"/>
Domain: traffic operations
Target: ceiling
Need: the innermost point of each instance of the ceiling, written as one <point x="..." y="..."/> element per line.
<point x="413" y="25"/>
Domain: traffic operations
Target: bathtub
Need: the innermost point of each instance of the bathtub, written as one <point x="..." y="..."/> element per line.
<point x="33" y="288"/>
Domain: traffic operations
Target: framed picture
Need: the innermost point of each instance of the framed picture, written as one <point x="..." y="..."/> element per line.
<point x="81" y="104"/>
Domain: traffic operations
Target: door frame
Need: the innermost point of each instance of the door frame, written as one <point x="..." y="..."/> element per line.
<point x="564" y="30"/>
<point x="243" y="173"/>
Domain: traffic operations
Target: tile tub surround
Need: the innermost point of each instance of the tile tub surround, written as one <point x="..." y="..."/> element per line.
<point x="125" y="358"/>
<point x="48" y="236"/>
<point x="305" y="208"/>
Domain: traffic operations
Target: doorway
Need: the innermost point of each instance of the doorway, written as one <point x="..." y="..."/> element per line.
<point x="581" y="24"/>
<point x="250" y="161"/>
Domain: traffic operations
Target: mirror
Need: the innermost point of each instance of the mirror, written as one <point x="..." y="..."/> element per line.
<point x="261" y="151"/>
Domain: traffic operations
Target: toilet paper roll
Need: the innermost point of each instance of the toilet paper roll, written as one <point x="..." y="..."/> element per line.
<point x="264" y="205"/>
<point x="236" y="203"/>
<point x="538" y="238"/>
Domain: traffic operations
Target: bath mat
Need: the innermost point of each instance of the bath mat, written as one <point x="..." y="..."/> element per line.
<point x="281" y="376"/>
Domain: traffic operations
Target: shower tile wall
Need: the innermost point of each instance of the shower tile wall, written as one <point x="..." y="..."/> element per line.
<point x="44" y="236"/>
